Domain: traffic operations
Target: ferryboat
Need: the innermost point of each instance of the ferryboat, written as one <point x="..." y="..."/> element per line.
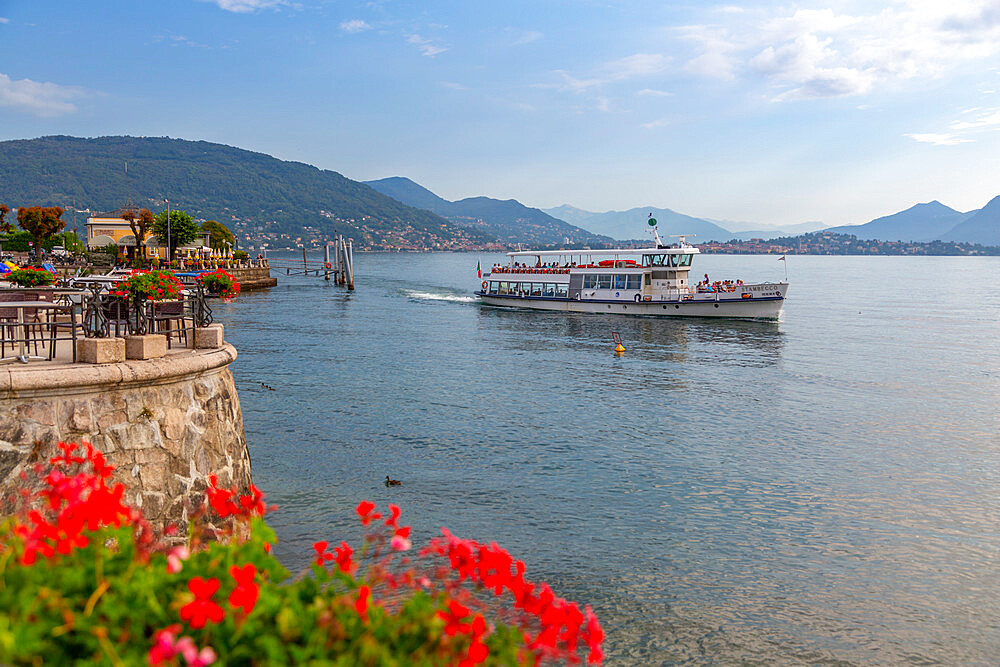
<point x="643" y="281"/>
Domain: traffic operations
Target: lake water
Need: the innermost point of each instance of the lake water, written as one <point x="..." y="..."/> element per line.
<point x="821" y="489"/>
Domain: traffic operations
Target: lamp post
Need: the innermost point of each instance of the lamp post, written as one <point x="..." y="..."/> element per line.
<point x="170" y="255"/>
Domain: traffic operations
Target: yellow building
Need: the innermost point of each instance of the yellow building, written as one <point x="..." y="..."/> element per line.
<point x="108" y="228"/>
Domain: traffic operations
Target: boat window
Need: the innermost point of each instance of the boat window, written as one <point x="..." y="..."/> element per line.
<point x="502" y="288"/>
<point x="536" y="289"/>
<point x="653" y="260"/>
<point x="493" y="286"/>
<point x="620" y="281"/>
<point x="589" y="281"/>
<point x="684" y="260"/>
<point x="562" y="289"/>
<point x="604" y="282"/>
<point x="524" y="288"/>
<point x="634" y="282"/>
<point x="550" y="289"/>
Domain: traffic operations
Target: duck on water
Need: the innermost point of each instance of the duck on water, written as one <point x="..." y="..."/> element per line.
<point x="643" y="281"/>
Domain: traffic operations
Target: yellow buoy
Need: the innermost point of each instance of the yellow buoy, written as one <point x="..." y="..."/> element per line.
<point x="619" y="349"/>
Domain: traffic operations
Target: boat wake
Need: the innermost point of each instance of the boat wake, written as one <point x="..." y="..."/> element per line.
<point x="437" y="296"/>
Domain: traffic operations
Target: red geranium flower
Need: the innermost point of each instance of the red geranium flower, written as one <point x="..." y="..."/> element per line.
<point x="361" y="605"/>
<point x="202" y="608"/>
<point x="246" y="591"/>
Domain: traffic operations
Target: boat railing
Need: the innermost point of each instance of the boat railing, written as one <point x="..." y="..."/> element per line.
<point x="544" y="270"/>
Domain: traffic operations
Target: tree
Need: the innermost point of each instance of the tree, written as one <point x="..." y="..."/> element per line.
<point x="181" y="230"/>
<point x="219" y="235"/>
<point x="139" y="225"/>
<point x="41" y="222"/>
<point x="5" y="227"/>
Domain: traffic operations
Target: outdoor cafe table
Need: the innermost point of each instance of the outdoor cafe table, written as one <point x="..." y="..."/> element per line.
<point x="21" y="305"/>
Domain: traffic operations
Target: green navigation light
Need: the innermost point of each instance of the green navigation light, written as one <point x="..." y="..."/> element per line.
<point x="652" y="222"/>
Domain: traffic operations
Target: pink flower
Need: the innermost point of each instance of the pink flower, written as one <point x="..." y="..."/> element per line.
<point x="176" y="558"/>
<point x="400" y="543"/>
<point x="192" y="656"/>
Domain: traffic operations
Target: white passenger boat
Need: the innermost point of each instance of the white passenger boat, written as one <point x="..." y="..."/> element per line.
<point x="645" y="281"/>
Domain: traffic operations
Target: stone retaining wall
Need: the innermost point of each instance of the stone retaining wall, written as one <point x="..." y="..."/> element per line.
<point x="165" y="424"/>
<point x="253" y="278"/>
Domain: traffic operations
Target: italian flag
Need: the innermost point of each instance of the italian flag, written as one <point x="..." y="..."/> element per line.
<point x="479" y="269"/>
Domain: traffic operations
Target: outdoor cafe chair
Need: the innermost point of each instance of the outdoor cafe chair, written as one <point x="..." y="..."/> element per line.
<point x="30" y="327"/>
<point x="163" y="314"/>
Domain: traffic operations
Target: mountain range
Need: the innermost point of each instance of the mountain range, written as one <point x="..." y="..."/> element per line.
<point x="631" y="224"/>
<point x="259" y="197"/>
<point x="509" y="220"/>
<point x="267" y="201"/>
<point x="922" y="222"/>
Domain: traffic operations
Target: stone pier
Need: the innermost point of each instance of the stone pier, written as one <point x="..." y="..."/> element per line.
<point x="166" y="424"/>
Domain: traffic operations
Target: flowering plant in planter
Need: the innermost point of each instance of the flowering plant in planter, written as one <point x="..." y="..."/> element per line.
<point x="220" y="282"/>
<point x="150" y="286"/>
<point x="82" y="577"/>
<point x="31" y="277"/>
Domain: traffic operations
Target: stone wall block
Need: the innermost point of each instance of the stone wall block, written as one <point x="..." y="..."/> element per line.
<point x="43" y="412"/>
<point x="75" y="416"/>
<point x="149" y="346"/>
<point x="101" y="350"/>
<point x="108" y="419"/>
<point x="172" y="423"/>
<point x="209" y="337"/>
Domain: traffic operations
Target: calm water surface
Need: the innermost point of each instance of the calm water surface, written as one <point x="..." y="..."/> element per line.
<point x="823" y="489"/>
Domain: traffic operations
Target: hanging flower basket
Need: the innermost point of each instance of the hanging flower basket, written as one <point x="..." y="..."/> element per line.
<point x="29" y="277"/>
<point x="220" y="283"/>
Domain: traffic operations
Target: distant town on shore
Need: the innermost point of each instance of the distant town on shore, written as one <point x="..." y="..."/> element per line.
<point x="270" y="204"/>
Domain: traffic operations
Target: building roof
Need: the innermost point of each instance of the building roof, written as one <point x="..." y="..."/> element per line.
<point x="117" y="213"/>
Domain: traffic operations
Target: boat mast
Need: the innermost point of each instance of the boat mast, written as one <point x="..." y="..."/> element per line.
<point x="656" y="234"/>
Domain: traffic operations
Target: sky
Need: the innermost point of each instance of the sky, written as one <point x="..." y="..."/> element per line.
<point x="774" y="113"/>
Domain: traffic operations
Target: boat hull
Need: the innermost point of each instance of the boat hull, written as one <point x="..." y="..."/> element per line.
<point x="765" y="308"/>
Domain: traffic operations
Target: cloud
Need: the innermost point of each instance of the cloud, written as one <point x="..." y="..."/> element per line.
<point x="354" y="26"/>
<point x="526" y="37"/>
<point x="652" y="125"/>
<point x="808" y="53"/>
<point x="176" y="40"/>
<point x="989" y="119"/>
<point x="4" y="20"/>
<point x="651" y="92"/>
<point x="938" y="139"/>
<point x="247" y="6"/>
<point x="637" y="65"/>
<point x="569" y="83"/>
<point x="426" y="47"/>
<point x="40" y="99"/>
<point x="717" y="59"/>
<point x="453" y="86"/>
<point x="967" y="128"/>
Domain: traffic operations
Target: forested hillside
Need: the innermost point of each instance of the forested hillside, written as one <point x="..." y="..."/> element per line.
<point x="263" y="199"/>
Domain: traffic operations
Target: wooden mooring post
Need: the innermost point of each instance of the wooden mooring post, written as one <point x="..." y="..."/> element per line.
<point x="340" y="265"/>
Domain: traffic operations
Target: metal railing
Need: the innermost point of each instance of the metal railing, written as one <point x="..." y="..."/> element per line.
<point x="105" y="313"/>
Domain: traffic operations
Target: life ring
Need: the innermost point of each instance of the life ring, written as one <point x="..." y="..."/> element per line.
<point x="328" y="265"/>
<point x="485" y="285"/>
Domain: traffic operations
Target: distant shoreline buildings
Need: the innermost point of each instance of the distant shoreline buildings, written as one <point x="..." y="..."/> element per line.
<point x="832" y="243"/>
